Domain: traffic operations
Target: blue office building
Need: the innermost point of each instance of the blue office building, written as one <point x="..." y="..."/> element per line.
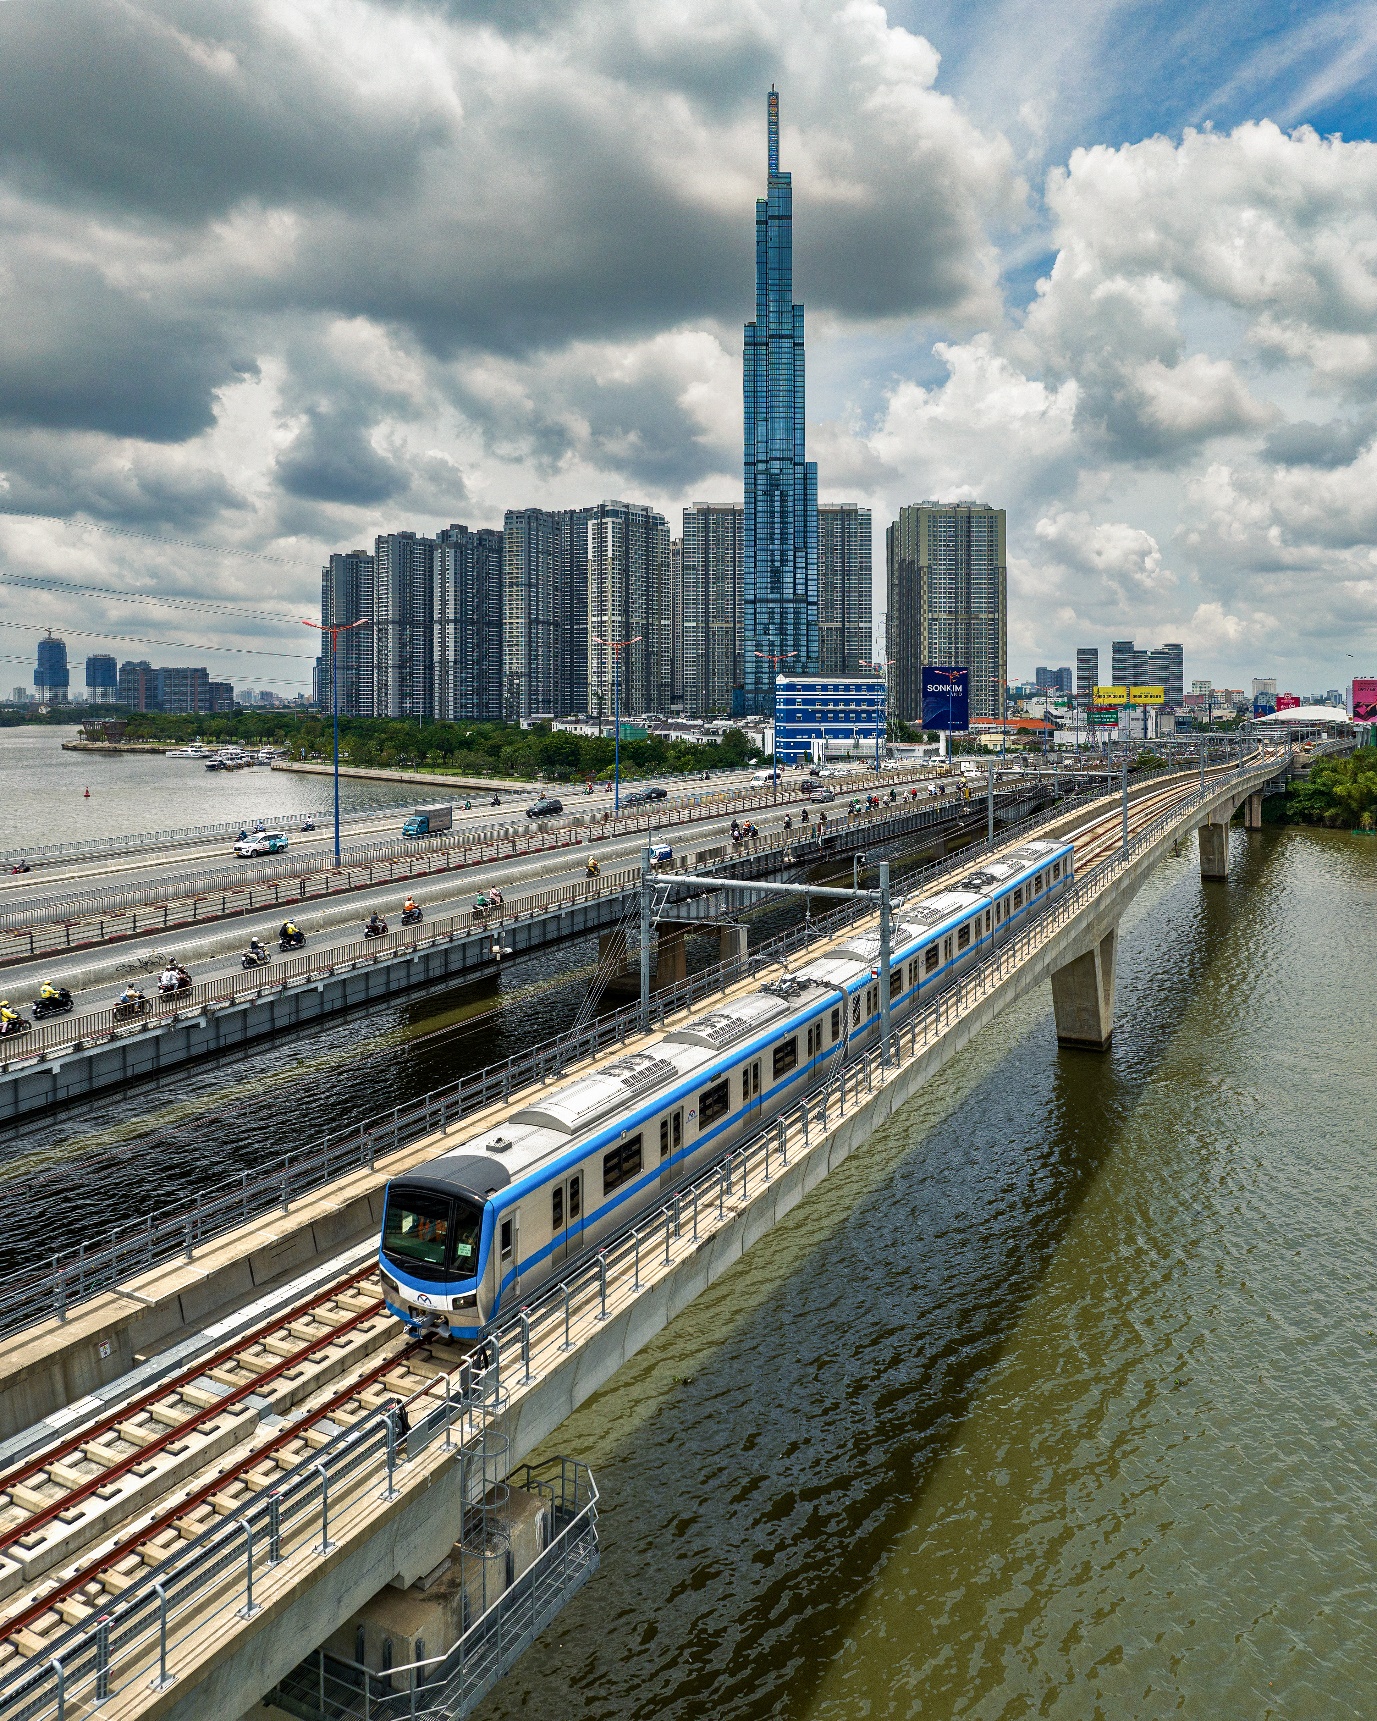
<point x="847" y="711"/>
<point x="51" y="678"/>
<point x="780" y="588"/>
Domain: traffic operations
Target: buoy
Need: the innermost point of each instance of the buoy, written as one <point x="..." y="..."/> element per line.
<point x="87" y="794"/>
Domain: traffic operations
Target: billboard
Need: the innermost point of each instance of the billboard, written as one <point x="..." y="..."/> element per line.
<point x="1103" y="716"/>
<point x="1365" y="699"/>
<point x="1263" y="705"/>
<point x="1110" y="696"/>
<point x="946" y="698"/>
<point x="1146" y="695"/>
<point x="1288" y="702"/>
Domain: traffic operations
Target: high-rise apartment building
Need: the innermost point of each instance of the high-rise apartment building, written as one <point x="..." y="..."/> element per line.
<point x="628" y="601"/>
<point x="468" y="625"/>
<point x="51" y="678"/>
<point x="1087" y="673"/>
<point x="135" y="687"/>
<point x="676" y="624"/>
<point x="947" y="582"/>
<point x="403" y="624"/>
<point x="844" y="588"/>
<point x="1166" y="669"/>
<point x="346" y="598"/>
<point x="544" y="612"/>
<point x="780" y="598"/>
<point x="181" y="692"/>
<point x="102" y="680"/>
<point x="1052" y="680"/>
<point x="712" y="609"/>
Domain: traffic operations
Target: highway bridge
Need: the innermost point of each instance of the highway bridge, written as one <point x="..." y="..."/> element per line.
<point x="206" y="1467"/>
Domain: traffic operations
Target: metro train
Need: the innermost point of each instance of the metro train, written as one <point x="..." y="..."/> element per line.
<point x="485" y="1223"/>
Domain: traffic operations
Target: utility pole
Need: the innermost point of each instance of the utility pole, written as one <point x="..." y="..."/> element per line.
<point x="647" y="905"/>
<point x="1125" y="800"/>
<point x="989" y="804"/>
<point x="884" y="665"/>
<point x="335" y="629"/>
<point x="884" y="962"/>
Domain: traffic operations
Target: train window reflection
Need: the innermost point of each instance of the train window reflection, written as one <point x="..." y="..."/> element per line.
<point x="416" y="1227"/>
<point x="785" y="1055"/>
<point x="713" y="1103"/>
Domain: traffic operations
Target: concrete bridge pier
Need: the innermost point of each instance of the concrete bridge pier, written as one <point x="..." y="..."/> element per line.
<point x="1083" y="996"/>
<point x="1214" y="851"/>
<point x="1252" y="812"/>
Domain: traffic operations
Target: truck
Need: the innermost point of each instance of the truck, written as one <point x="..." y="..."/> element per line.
<point x="429" y="821"/>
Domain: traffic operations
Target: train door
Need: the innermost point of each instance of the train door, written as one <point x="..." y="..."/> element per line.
<point x="750" y="1093"/>
<point x="566" y="1217"/>
<point x="671" y="1142"/>
<point x="509" y="1249"/>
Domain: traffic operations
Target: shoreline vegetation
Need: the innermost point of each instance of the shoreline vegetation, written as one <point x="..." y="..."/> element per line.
<point x="480" y="750"/>
<point x="1340" y="794"/>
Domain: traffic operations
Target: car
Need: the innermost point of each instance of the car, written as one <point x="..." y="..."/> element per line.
<point x="660" y="853"/>
<point x="642" y="797"/>
<point x="261" y="843"/>
<point x="818" y="792"/>
<point x="545" y="807"/>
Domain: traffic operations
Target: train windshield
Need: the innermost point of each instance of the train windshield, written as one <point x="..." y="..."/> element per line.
<point x="430" y="1235"/>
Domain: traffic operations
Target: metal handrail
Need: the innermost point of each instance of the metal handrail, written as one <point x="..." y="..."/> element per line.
<point x="80" y="1664"/>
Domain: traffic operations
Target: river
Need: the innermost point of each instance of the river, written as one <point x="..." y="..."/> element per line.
<point x="1059" y="1399"/>
<point x="43" y="795"/>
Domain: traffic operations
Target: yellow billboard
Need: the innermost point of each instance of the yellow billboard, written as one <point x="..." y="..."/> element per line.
<point x="1145" y="695"/>
<point x="1111" y="696"/>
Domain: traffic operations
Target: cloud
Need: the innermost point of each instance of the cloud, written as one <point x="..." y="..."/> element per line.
<point x="1120" y="555"/>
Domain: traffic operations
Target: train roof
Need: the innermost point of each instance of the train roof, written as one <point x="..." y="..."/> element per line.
<point x="584" y="1102"/>
<point x="736" y="1019"/>
<point x="463" y="1172"/>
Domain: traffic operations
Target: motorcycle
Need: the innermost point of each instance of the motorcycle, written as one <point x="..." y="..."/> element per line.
<point x="23" y="866"/>
<point x="592" y="869"/>
<point x="375" y="929"/>
<point x="412" y="916"/>
<point x="180" y="983"/>
<point x="496" y="801"/>
<point x="291" y="940"/>
<point x="13" y="1025"/>
<point x="126" y="1009"/>
<point x="258" y="958"/>
<point x="308" y="825"/>
<point x="58" y="1006"/>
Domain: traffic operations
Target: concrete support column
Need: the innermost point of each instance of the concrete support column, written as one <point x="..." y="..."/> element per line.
<point x="612" y="950"/>
<point x="1252" y="813"/>
<point x="671" y="960"/>
<point x="731" y="945"/>
<point x="1214" y="851"/>
<point x="1083" y="997"/>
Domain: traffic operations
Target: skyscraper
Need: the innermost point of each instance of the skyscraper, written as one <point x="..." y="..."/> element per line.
<point x="545" y="609"/>
<point x="844" y="595"/>
<point x="712" y="627"/>
<point x="102" y="680"/>
<point x="1167" y="670"/>
<point x="780" y="598"/>
<point x="468" y="625"/>
<point x="947" y="598"/>
<point x="629" y="599"/>
<point x="1087" y="673"/>
<point x="50" y="678"/>
<point x="403" y="624"/>
<point x="346" y="597"/>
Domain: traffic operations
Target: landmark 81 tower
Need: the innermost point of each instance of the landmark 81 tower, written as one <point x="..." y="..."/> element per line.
<point x="780" y="595"/>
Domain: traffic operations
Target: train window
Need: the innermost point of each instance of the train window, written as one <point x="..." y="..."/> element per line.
<point x="1018" y="897"/>
<point x="1056" y="870"/>
<point x="946" y="948"/>
<point x="856" y="1011"/>
<point x="987" y="922"/>
<point x="963" y="936"/>
<point x="713" y="1103"/>
<point x="575" y="1196"/>
<point x="1037" y="884"/>
<point x="621" y="1164"/>
<point x="664" y="1138"/>
<point x="785" y="1056"/>
<point x="557" y="1208"/>
<point x="930" y="958"/>
<point x="836" y="1025"/>
<point x="506" y="1239"/>
<point x="814" y="1038"/>
<point x="677" y="1131"/>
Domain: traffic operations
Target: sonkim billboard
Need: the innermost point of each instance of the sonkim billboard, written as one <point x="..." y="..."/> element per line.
<point x="946" y="699"/>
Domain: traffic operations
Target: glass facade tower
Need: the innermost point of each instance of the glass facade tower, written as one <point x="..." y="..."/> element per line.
<point x="780" y="589"/>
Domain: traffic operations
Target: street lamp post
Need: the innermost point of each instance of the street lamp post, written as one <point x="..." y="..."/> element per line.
<point x="616" y="647"/>
<point x="884" y="665"/>
<point x="334" y="629"/>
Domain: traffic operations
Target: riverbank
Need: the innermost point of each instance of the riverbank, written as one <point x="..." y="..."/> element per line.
<point x="113" y="747"/>
<point x="422" y="779"/>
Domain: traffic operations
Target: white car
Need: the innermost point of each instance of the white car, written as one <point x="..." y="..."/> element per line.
<point x="261" y="843"/>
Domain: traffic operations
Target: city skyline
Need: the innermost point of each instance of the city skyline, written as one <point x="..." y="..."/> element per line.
<point x="1056" y="308"/>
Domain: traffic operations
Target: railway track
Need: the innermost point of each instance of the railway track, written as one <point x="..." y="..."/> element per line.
<point x="82" y="1520"/>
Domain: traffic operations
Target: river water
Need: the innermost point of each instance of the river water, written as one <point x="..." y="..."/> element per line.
<point x="1060" y="1398"/>
<point x="43" y="795"/>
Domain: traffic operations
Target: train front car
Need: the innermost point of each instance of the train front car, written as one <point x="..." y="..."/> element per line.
<point x="436" y="1235"/>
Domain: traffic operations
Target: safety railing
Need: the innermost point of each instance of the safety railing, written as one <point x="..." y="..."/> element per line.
<point x="76" y="1275"/>
<point x="211" y="1577"/>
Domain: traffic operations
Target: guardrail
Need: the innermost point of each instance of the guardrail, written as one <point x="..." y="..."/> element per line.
<point x="212" y="1576"/>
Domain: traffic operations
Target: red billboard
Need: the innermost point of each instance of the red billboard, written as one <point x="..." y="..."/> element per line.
<point x="1288" y="702"/>
<point x="1365" y="699"/>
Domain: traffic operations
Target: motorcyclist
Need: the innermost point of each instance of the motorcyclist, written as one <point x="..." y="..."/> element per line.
<point x="409" y="906"/>
<point x="168" y="979"/>
<point x="257" y="951"/>
<point x="592" y="869"/>
<point x="496" y="801"/>
<point x="376" y="925"/>
<point x="468" y="806"/>
<point x="788" y="823"/>
<point x="48" y="990"/>
<point x="130" y="994"/>
<point x="495" y="897"/>
<point x="8" y="1017"/>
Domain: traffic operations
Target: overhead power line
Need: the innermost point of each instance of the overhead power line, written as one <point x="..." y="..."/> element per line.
<point x="138" y="639"/>
<point x="214" y="606"/>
